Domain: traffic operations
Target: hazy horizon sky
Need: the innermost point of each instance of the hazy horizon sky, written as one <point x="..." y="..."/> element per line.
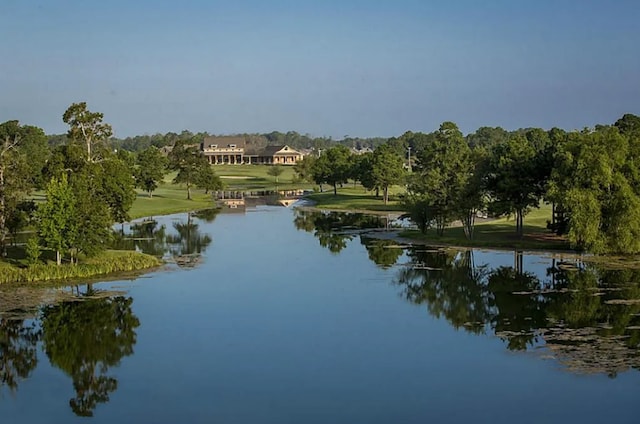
<point x="328" y="68"/>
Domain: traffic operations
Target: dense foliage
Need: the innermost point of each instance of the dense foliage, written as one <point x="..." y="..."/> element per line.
<point x="591" y="177"/>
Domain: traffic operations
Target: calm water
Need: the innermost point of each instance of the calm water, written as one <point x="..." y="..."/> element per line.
<point x="280" y="316"/>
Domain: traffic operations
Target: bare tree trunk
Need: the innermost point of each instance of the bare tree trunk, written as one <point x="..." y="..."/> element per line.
<point x="519" y="223"/>
<point x="468" y="224"/>
<point x="58" y="258"/>
<point x="335" y="189"/>
<point x="386" y="194"/>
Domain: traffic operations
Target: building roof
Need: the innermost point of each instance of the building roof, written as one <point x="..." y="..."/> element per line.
<point x="282" y="149"/>
<point x="223" y="141"/>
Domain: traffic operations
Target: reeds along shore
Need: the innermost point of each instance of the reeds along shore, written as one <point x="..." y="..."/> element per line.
<point x="107" y="263"/>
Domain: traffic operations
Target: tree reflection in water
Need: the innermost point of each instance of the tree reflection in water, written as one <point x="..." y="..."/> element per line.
<point x="85" y="338"/>
<point x="384" y="253"/>
<point x="185" y="242"/>
<point x="335" y="229"/>
<point x="18" y="351"/>
<point x="146" y="236"/>
<point x="588" y="318"/>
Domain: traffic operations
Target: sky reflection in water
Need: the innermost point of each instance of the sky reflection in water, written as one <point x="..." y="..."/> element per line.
<point x="280" y="316"/>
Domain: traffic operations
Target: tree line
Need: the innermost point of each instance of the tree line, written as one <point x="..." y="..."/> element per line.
<point x="293" y="139"/>
<point x="590" y="177"/>
<point x="88" y="184"/>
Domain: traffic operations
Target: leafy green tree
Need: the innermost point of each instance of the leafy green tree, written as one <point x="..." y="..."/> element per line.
<point x="362" y="171"/>
<point x="333" y="167"/>
<point x="128" y="158"/>
<point x="188" y="161"/>
<point x="629" y="125"/>
<point x="115" y="186"/>
<point x="57" y="225"/>
<point x="387" y="169"/>
<point x="152" y="166"/>
<point x="487" y="137"/>
<point x="472" y="197"/>
<point x="275" y="171"/>
<point x="19" y="217"/>
<point x="207" y="179"/>
<point x="411" y="143"/>
<point x="15" y="180"/>
<point x="92" y="218"/>
<point x="103" y="193"/>
<point x="443" y="170"/>
<point x="65" y="159"/>
<point x="32" y="250"/>
<point x="87" y="128"/>
<point x="595" y="182"/>
<point x="303" y="169"/>
<point x="513" y="179"/>
<point x="33" y="146"/>
<point x="419" y="210"/>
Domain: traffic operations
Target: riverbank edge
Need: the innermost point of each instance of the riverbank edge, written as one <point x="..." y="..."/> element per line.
<point x="110" y="263"/>
<point x="404" y="236"/>
<point x="402" y="239"/>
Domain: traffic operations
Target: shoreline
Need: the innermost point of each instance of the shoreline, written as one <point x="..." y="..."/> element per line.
<point x="108" y="264"/>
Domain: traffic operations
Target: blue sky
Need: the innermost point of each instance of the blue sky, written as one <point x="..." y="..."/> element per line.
<point x="327" y="68"/>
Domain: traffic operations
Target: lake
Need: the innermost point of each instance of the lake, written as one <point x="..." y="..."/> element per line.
<point x="277" y="315"/>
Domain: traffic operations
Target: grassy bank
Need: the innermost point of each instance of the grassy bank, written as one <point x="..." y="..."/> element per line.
<point x="172" y="198"/>
<point x="355" y="199"/>
<point x="256" y="178"/>
<point x="108" y="262"/>
<point x="496" y="233"/>
<point x="168" y="199"/>
<point x="500" y="233"/>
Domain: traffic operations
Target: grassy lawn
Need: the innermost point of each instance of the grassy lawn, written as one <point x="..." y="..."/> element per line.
<point x="502" y="233"/>
<point x="172" y="198"/>
<point x="168" y="199"/>
<point x="255" y="177"/>
<point x="499" y="233"/>
<point x="350" y="198"/>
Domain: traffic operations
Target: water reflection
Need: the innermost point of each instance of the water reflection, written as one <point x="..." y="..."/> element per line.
<point x="18" y="351"/>
<point x="586" y="318"/>
<point x="183" y="241"/>
<point x="187" y="238"/>
<point x="384" y="253"/>
<point x="86" y="338"/>
<point x="334" y="229"/>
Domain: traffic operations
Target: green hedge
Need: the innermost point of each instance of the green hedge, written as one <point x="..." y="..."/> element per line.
<point x="107" y="263"/>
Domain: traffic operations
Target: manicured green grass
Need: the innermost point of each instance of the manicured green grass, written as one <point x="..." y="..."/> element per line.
<point x="168" y="199"/>
<point x="357" y="199"/>
<point x="256" y="178"/>
<point x="501" y="233"/>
